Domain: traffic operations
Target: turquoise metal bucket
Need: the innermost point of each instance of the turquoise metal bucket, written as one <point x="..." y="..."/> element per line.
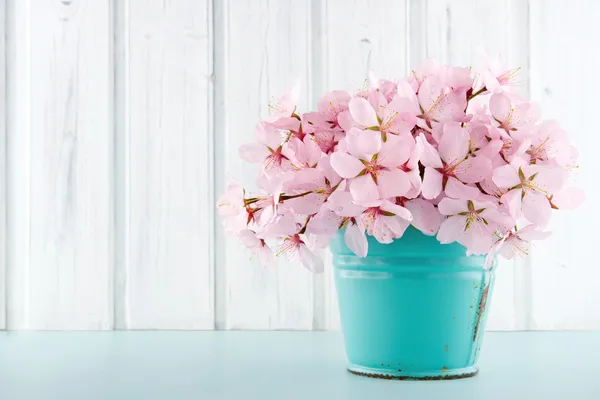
<point x="413" y="309"/>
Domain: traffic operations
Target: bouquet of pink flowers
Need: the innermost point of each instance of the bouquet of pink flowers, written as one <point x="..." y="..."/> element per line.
<point x="451" y="151"/>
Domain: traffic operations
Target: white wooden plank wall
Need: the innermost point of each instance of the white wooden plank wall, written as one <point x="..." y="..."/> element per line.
<point x="123" y="119"/>
<point x="60" y="226"/>
<point x="166" y="193"/>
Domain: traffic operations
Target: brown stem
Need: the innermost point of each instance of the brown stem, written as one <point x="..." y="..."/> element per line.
<point x="477" y="93"/>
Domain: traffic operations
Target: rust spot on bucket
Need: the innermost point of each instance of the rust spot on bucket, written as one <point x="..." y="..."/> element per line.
<point x="481" y="310"/>
<point x="446" y="347"/>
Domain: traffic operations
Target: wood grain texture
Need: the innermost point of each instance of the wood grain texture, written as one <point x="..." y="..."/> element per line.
<point x="265" y="48"/>
<point x="457" y="33"/>
<point x="60" y="137"/>
<point x="358" y="36"/>
<point x="3" y="164"/>
<point x="168" y="165"/>
<point x="565" y="80"/>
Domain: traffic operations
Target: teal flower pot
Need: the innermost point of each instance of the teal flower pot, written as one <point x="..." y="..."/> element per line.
<point x="412" y="309"/>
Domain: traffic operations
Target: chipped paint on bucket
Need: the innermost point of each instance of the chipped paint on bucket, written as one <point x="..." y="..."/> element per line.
<point x="413" y="309"/>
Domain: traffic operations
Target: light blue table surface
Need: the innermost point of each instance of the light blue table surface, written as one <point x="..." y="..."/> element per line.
<point x="277" y="365"/>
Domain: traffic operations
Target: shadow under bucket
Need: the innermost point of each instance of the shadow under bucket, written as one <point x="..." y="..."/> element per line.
<point x="413" y="309"/>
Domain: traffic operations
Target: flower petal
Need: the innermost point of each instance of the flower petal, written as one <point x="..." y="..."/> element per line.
<point x="254" y="152"/>
<point x="448" y="206"/>
<point x="396" y="209"/>
<point x="432" y="183"/>
<point x="362" y="112"/>
<point x="393" y="183"/>
<point x="454" y="144"/>
<point x="310" y="260"/>
<point x="346" y="165"/>
<point x="363" y="144"/>
<point x="356" y="240"/>
<point x="429" y="155"/>
<point x="364" y="189"/>
<point x="536" y="208"/>
<point x="458" y="190"/>
<point x="506" y="177"/>
<point x="451" y="229"/>
<point x="426" y="217"/>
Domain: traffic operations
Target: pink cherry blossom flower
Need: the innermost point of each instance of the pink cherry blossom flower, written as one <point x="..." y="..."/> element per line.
<point x="439" y="103"/>
<point x="451" y="152"/>
<point x="529" y="188"/>
<point x="385" y="221"/>
<point x="268" y="149"/>
<point x="388" y="118"/>
<point x="518" y="243"/>
<point x="258" y="247"/>
<point x="453" y="165"/>
<point x="470" y="223"/>
<point x="511" y="116"/>
<point x="285" y="106"/>
<point x="232" y="201"/>
<point x="294" y="247"/>
<point x="329" y="109"/>
<point x="497" y="77"/>
<point x="374" y="167"/>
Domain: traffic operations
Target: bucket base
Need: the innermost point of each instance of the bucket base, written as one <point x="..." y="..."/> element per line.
<point x="458" y="373"/>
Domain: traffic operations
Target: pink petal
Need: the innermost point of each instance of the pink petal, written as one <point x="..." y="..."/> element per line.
<point x="346" y="165"/>
<point x="268" y="135"/>
<point x="307" y="205"/>
<point x="325" y="223"/>
<point x="364" y="189"/>
<point x="530" y="232"/>
<point x="432" y="183"/>
<point x="458" y="190"/>
<point x="356" y="240"/>
<point x="451" y="229"/>
<point x="426" y="217"/>
<point x="448" y="206"/>
<point x="568" y="198"/>
<point x="393" y="183"/>
<point x="525" y="114"/>
<point x="396" y="225"/>
<point x="474" y="169"/>
<point x="254" y="152"/>
<point x="512" y="201"/>
<point x="362" y="112"/>
<point x="549" y="179"/>
<point x="506" y="177"/>
<point x="396" y="209"/>
<point x="396" y="150"/>
<point x="310" y="260"/>
<point x="381" y="231"/>
<point x="342" y="204"/>
<point x="536" y="208"/>
<point x="266" y="258"/>
<point x="454" y="145"/>
<point x="429" y="155"/>
<point x="363" y="144"/>
<point x="500" y="107"/>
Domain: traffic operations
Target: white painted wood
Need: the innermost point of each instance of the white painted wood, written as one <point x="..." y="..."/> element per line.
<point x="565" y="80"/>
<point x="265" y="47"/>
<point x="60" y="141"/>
<point x="169" y="205"/>
<point x="357" y="36"/>
<point x="457" y="33"/>
<point x="3" y="165"/>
